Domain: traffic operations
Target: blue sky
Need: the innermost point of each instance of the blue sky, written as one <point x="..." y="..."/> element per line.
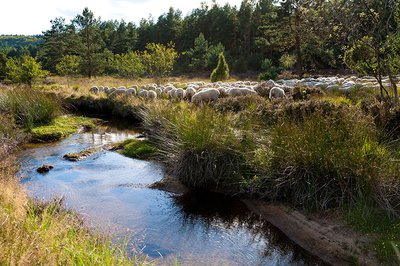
<point x="33" y="16"/>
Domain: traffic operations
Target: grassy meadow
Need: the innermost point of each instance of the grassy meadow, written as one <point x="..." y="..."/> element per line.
<point x="317" y="151"/>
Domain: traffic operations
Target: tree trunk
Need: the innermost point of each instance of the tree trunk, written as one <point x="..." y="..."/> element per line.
<point x="299" y="63"/>
<point x="392" y="82"/>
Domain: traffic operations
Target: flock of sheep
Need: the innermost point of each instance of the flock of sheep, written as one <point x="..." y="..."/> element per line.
<point x="196" y="92"/>
<point x="199" y="92"/>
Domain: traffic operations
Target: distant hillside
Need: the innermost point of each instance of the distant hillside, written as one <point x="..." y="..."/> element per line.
<point x="15" y="45"/>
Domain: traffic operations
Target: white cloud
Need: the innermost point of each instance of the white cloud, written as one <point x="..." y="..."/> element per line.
<point x="33" y="17"/>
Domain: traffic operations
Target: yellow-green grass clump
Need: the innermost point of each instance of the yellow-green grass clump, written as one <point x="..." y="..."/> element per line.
<point x="61" y="127"/>
<point x="140" y="149"/>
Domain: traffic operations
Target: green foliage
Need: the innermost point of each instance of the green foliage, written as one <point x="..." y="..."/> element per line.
<point x="199" y="53"/>
<point x="68" y="66"/>
<point x="3" y="65"/>
<point x="287" y="61"/>
<point x="159" y="59"/>
<point x="128" y="65"/>
<point x="90" y="42"/>
<point x="29" y="107"/>
<point x="221" y="72"/>
<point x="270" y="71"/>
<point x="367" y="218"/>
<point x="361" y="57"/>
<point x="24" y="70"/>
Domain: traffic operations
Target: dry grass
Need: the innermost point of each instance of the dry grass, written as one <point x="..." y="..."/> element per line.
<point x="79" y="86"/>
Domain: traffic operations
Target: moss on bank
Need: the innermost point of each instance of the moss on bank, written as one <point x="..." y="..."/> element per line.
<point x="61" y="127"/>
<point x="139" y="149"/>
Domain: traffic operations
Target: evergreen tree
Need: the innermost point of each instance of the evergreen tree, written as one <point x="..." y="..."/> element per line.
<point x="221" y="72"/>
<point x="91" y="43"/>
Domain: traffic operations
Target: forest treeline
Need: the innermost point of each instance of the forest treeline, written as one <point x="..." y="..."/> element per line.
<point x="268" y="35"/>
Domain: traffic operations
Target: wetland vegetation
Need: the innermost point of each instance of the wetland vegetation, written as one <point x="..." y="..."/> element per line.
<point x="326" y="145"/>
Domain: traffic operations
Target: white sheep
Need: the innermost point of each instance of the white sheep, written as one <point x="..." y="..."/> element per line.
<point x="190" y="92"/>
<point x="234" y="92"/>
<point x="158" y="91"/>
<point x="94" y="90"/>
<point x="206" y="95"/>
<point x="179" y="94"/>
<point x="131" y="91"/>
<point x="111" y="90"/>
<point x="142" y="93"/>
<point x="276" y="92"/>
<point x="119" y="91"/>
<point x="172" y="94"/>
<point x="151" y="95"/>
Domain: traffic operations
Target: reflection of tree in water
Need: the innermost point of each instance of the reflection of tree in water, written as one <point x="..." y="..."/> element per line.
<point x="213" y="210"/>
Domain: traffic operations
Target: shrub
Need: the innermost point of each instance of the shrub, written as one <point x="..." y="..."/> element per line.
<point x="221" y="72"/>
<point x="29" y="107"/>
<point x="159" y="60"/>
<point x="270" y="71"/>
<point x="322" y="160"/>
<point x="25" y="70"/>
<point x="287" y="61"/>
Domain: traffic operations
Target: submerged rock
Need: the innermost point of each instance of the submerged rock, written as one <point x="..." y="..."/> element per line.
<point x="44" y="168"/>
<point x="74" y="157"/>
<point x="170" y="184"/>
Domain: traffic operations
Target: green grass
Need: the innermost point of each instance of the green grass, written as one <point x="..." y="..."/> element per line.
<point x="199" y="144"/>
<point x="321" y="162"/>
<point x="60" y="127"/>
<point x="385" y="230"/>
<point x="29" y="107"/>
<point x="139" y="149"/>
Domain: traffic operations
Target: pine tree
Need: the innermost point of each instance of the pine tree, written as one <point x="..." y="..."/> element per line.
<point x="221" y="72"/>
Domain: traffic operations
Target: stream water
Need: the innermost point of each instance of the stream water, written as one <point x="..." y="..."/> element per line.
<point x="111" y="192"/>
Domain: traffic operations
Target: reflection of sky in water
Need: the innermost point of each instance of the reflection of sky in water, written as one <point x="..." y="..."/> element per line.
<point x="112" y="191"/>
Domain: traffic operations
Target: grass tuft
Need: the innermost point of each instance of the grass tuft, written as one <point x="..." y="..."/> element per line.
<point x="29" y="107"/>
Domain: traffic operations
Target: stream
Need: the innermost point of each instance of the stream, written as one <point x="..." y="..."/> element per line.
<point x="111" y="192"/>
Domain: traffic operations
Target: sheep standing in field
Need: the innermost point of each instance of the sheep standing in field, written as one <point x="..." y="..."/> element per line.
<point x="158" y="91"/>
<point x="234" y="92"/>
<point x="172" y="94"/>
<point x="94" y="90"/>
<point x="131" y="91"/>
<point x="206" y="95"/>
<point x="179" y="94"/>
<point x="151" y="95"/>
<point x="142" y="93"/>
<point x="189" y="93"/>
<point x="120" y="91"/>
<point x="276" y="92"/>
<point x="110" y="90"/>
